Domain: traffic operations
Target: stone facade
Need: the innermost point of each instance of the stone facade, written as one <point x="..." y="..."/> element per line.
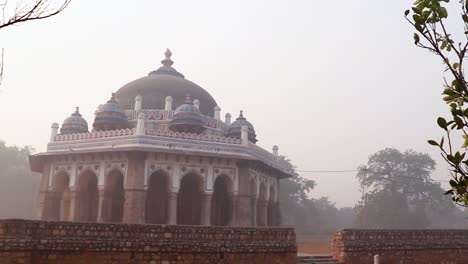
<point x="157" y="188"/>
<point x="42" y="242"/>
<point x="402" y="246"/>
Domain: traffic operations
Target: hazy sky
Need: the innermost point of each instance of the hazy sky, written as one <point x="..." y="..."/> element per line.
<point x="330" y="82"/>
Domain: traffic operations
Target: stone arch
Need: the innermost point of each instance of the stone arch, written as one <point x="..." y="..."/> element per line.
<point x="222" y="201"/>
<point x="156" y="211"/>
<point x="272" y="207"/>
<point x="261" y="204"/>
<point x="87" y="197"/>
<point x="114" y="197"/>
<point x="61" y="198"/>
<point x="189" y="199"/>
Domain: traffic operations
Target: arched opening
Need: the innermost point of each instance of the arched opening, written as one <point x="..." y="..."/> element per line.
<point x="61" y="200"/>
<point x="271" y="209"/>
<point x="221" y="202"/>
<point x="189" y="200"/>
<point x="157" y="198"/>
<point x="253" y="202"/>
<point x="261" y="204"/>
<point x="114" y="198"/>
<point x="87" y="197"/>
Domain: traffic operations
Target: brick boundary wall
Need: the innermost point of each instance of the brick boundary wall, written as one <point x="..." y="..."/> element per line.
<point x="401" y="246"/>
<point x="31" y="242"/>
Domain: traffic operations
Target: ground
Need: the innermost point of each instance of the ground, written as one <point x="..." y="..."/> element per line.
<point x="314" y="244"/>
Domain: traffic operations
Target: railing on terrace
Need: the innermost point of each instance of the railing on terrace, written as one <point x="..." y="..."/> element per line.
<point x="163" y="115"/>
<point x="260" y="152"/>
<point x="95" y="134"/>
<point x="199" y="137"/>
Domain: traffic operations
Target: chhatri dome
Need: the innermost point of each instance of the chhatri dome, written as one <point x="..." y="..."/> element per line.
<point x="163" y="82"/>
<point x="159" y="153"/>
<point x="74" y="124"/>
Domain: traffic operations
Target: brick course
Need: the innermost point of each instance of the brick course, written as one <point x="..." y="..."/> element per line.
<point x="402" y="246"/>
<point x="23" y="241"/>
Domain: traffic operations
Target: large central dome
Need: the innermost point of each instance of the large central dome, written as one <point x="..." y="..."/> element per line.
<point x="159" y="84"/>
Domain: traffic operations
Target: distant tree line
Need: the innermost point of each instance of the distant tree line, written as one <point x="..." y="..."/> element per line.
<point x="18" y="185"/>
<point x="397" y="193"/>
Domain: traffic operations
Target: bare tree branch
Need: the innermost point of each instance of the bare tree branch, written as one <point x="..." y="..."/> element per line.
<point x="40" y="9"/>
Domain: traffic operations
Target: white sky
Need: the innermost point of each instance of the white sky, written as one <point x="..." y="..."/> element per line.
<point x="330" y="82"/>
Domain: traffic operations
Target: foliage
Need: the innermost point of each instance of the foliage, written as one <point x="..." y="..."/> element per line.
<point x="18" y="186"/>
<point x="429" y="19"/>
<point x="398" y="191"/>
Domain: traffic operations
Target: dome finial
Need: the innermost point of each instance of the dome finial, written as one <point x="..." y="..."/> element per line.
<point x="241" y="113"/>
<point x="77" y="111"/>
<point x="167" y="61"/>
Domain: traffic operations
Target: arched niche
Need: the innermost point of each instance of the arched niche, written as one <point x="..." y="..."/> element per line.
<point x="221" y="201"/>
<point x="189" y="200"/>
<point x="87" y="197"/>
<point x="114" y="197"/>
<point x="157" y="198"/>
<point x="61" y="200"/>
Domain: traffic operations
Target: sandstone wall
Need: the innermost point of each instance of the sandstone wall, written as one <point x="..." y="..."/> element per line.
<point x="40" y="242"/>
<point x="402" y="246"/>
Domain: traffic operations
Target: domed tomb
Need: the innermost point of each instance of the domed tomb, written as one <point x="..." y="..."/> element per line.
<point x="235" y="128"/>
<point x="74" y="124"/>
<point x="187" y="118"/>
<point x="110" y="116"/>
<point x="163" y="82"/>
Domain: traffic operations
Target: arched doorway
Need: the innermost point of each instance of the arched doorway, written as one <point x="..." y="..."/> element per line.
<point x="221" y="202"/>
<point x="189" y="200"/>
<point x="157" y="198"/>
<point x="113" y="204"/>
<point x="261" y="204"/>
<point x="87" y="197"/>
<point x="61" y="200"/>
<point x="253" y="202"/>
<point x="271" y="209"/>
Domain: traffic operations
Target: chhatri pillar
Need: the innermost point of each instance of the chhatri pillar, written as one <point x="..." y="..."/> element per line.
<point x="206" y="209"/>
<point x="172" y="208"/>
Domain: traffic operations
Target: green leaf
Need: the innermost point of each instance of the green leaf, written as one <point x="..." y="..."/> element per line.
<point x="459" y="122"/>
<point x="433" y="143"/>
<point x="443" y="12"/>
<point x="416" y="38"/>
<point x="453" y="183"/>
<point x="442" y="122"/>
<point x="465" y="18"/>
<point x="456" y="65"/>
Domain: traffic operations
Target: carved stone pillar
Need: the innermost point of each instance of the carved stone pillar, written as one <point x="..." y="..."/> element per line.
<point x="278" y="214"/>
<point x="172" y="208"/>
<point x="233" y="203"/>
<point x="74" y="212"/>
<point x="253" y="211"/>
<point x="102" y="206"/>
<point x="263" y="211"/>
<point x="134" y="207"/>
<point x="206" y="209"/>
